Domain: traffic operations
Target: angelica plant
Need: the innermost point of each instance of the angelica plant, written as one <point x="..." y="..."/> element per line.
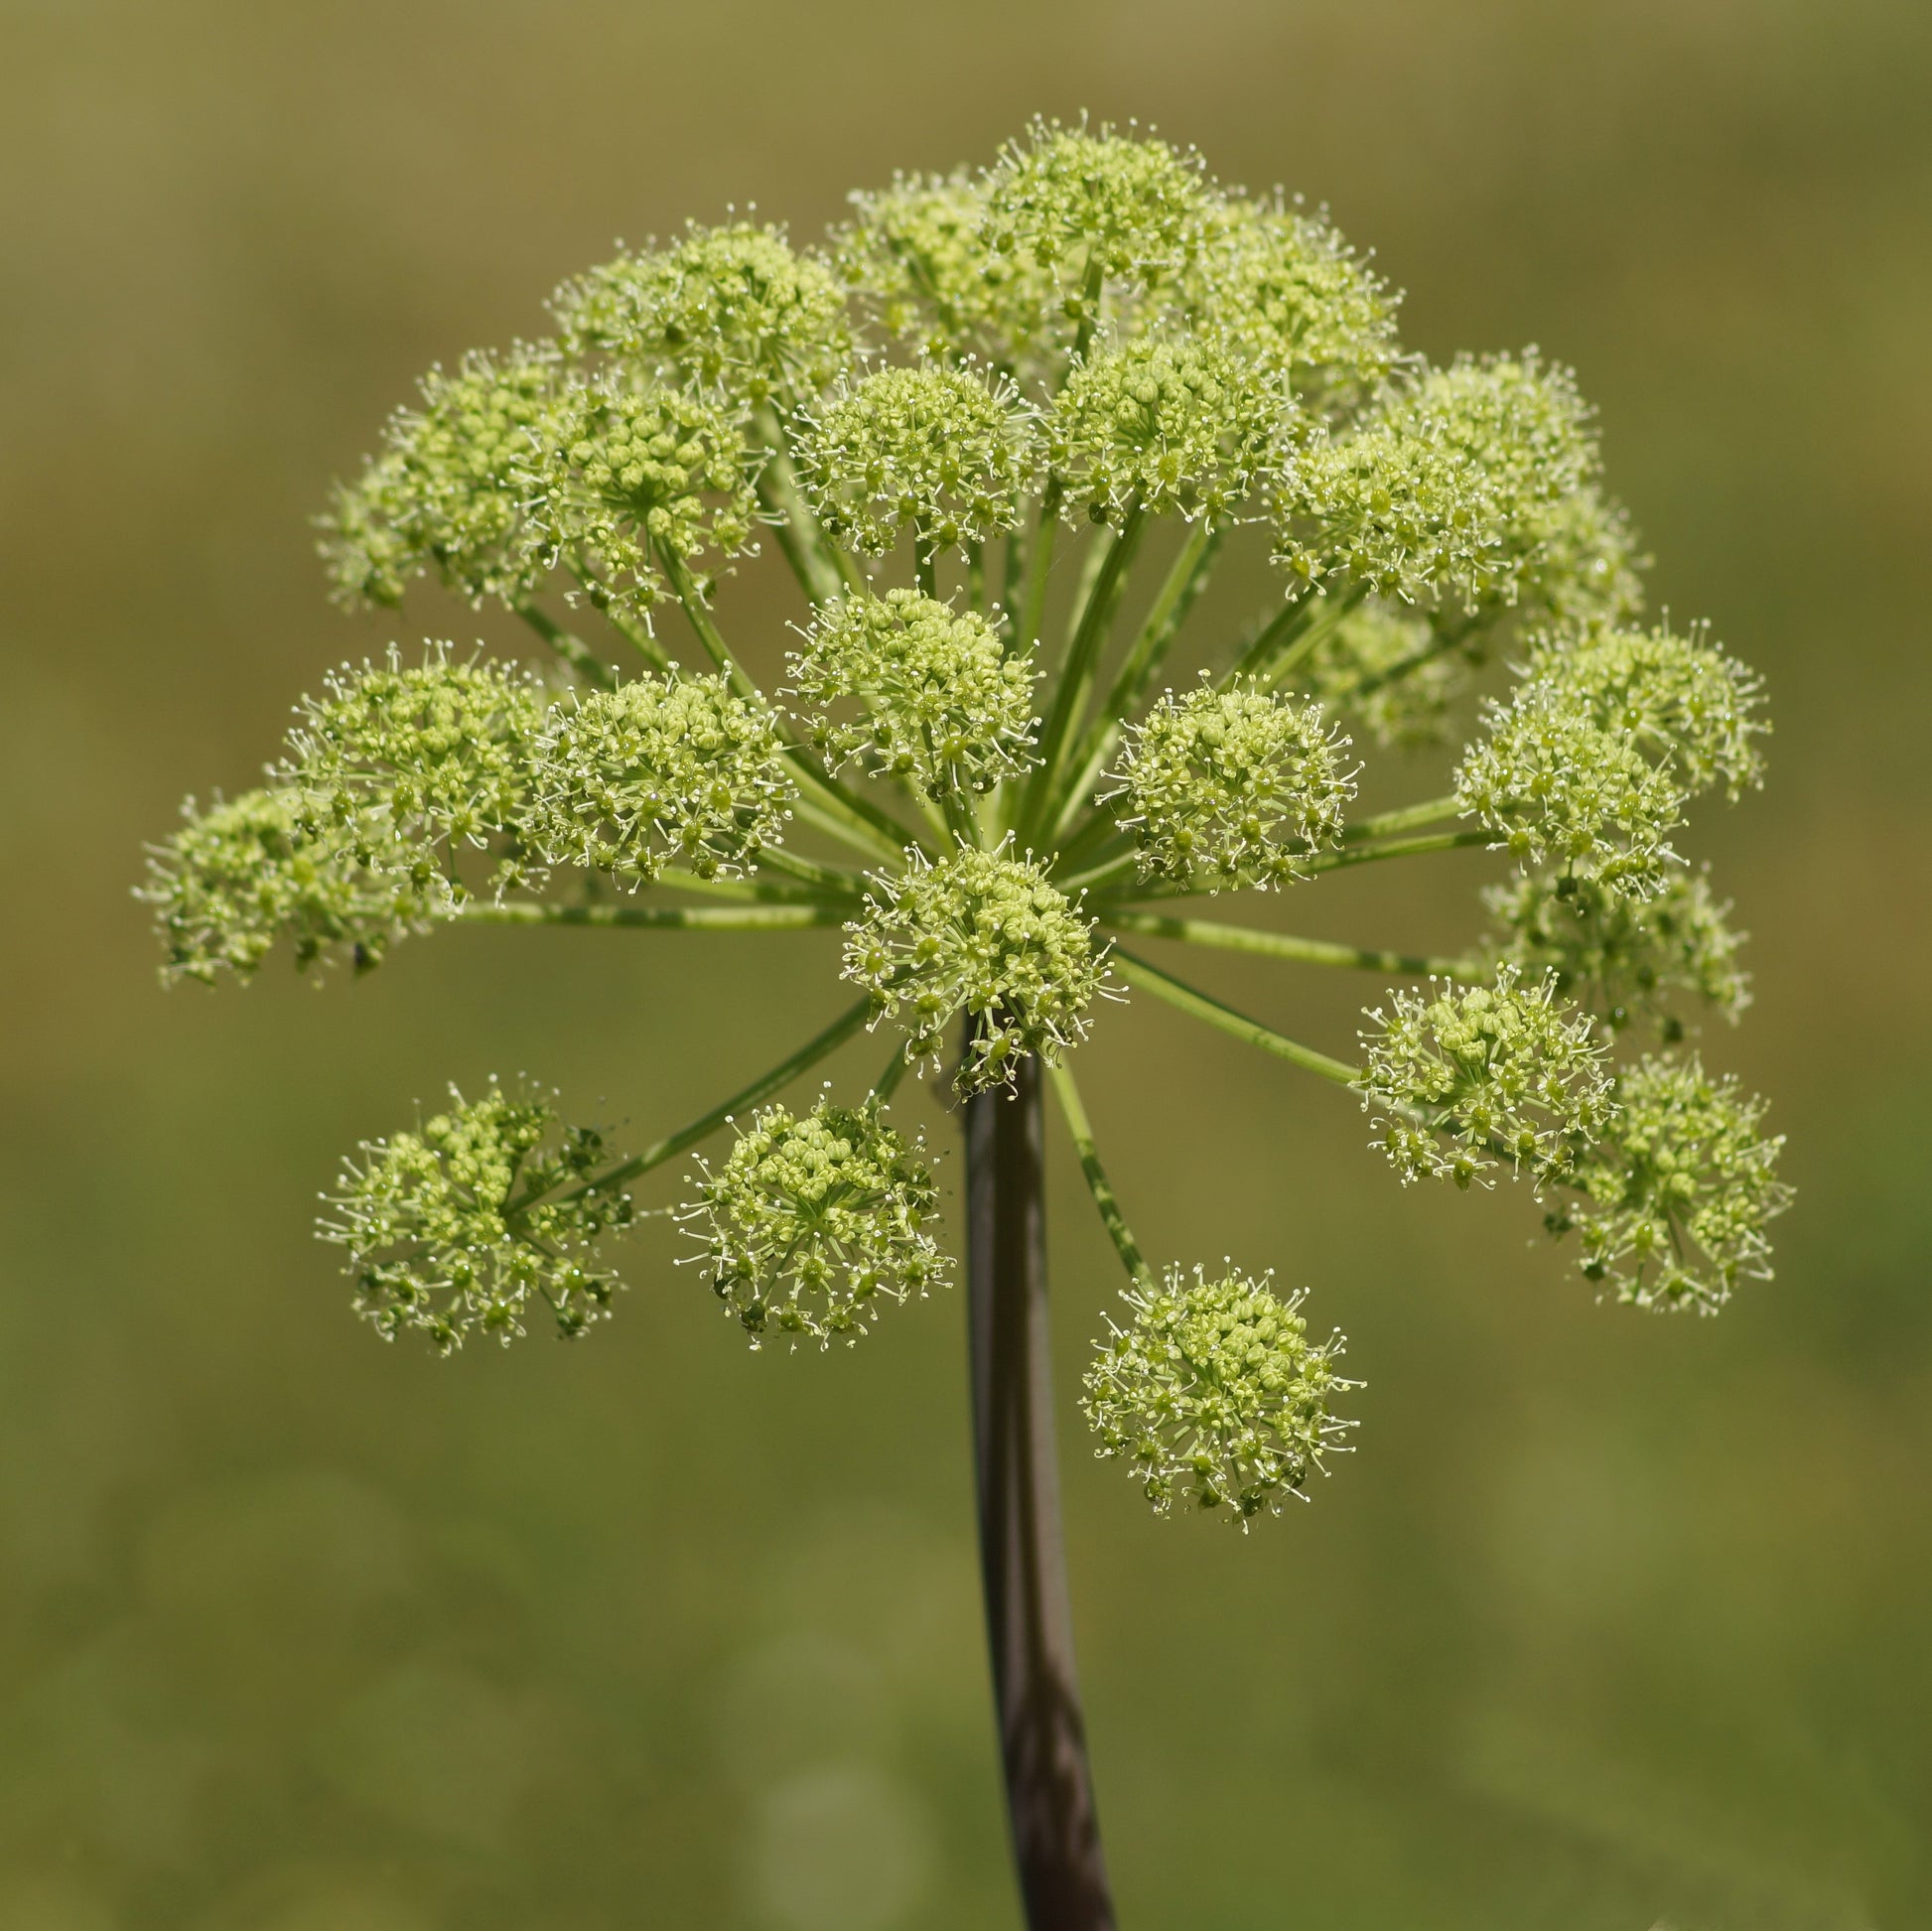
<point x="999" y="430"/>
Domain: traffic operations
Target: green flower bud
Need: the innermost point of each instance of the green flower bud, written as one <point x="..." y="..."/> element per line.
<point x="733" y="308"/>
<point x="1179" y="425"/>
<point x="1677" y="1194"/>
<point x="1472" y="1074"/>
<point x="454" y="1229"/>
<point x="940" y="452"/>
<point x="447" y="492"/>
<point x="1555" y="785"/>
<point x="811" y="1222"/>
<point x="251" y="870"/>
<point x="1679" y="698"/>
<point x="1621" y="958"/>
<point x="981" y="934"/>
<point x="660" y="771"/>
<point x="1215" y="1395"/>
<point x="940" y="701"/>
<point x="1443" y="493"/>
<point x="1233" y="788"/>
<point x="633" y="477"/>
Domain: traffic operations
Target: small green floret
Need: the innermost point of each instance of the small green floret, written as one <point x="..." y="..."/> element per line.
<point x="1233" y="788"/>
<point x="1470" y="1075"/>
<point x="982" y="933"/>
<point x="453" y="1230"/>
<point x="662" y="771"/>
<point x="940" y="702"/>
<point x="1676" y="1195"/>
<point x="1215" y="1395"/>
<point x="810" y="1223"/>
<point x="939" y="452"/>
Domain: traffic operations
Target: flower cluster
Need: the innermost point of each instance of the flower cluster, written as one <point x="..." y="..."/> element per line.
<point x="942" y="453"/>
<point x="733" y="308"/>
<point x="1165" y="426"/>
<point x="639" y="482"/>
<point x="812" y="1221"/>
<point x="940" y="701"/>
<point x="1676" y="1195"/>
<point x="1444" y="494"/>
<point x="1233" y="788"/>
<point x="1470" y="1075"/>
<point x="1388" y="667"/>
<point x="1214" y="1394"/>
<point x="454" y="1229"/>
<point x="982" y="933"/>
<point x="445" y="494"/>
<point x="1619" y="957"/>
<point x="659" y="770"/>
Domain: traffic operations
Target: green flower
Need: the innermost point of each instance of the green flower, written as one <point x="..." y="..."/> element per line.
<point x="1232" y="787"/>
<point x="981" y="934"/>
<point x="1381" y="664"/>
<point x="810" y="1223"/>
<point x="1676" y="1195"/>
<point x="1470" y="1075"/>
<point x="454" y="1229"/>
<point x="1215" y="1395"/>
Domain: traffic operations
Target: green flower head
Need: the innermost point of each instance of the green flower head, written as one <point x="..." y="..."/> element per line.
<point x="981" y="934"/>
<point x="1674" y="1199"/>
<point x="1470" y="1075"/>
<point x="1214" y="1394"/>
<point x="939" y="701"/>
<point x="811" y="1222"/>
<point x="1233" y="788"/>
<point x="936" y="452"/>
<point x="455" y="1229"/>
<point x="1380" y="664"/>
<point x="661" y="770"/>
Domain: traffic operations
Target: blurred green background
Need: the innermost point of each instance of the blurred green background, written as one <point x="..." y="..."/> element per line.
<point x="1611" y="1620"/>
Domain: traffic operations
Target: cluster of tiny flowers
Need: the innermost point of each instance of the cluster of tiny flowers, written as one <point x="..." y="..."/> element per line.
<point x="1443" y="493"/>
<point x="1469" y="1076"/>
<point x="938" y="452"/>
<point x="941" y="703"/>
<point x="985" y="934"/>
<point x="1295" y="296"/>
<point x="1585" y="565"/>
<point x="249" y="872"/>
<point x="1214" y="1394"/>
<point x="1677" y="1194"/>
<point x="447" y="494"/>
<point x="456" y="1228"/>
<point x="1233" y="788"/>
<point x="733" y="308"/>
<point x="1163" y="426"/>
<point x="1378" y="664"/>
<point x="637" y="481"/>
<point x="1622" y="958"/>
<point x="659" y="770"/>
<point x="811" y="1223"/>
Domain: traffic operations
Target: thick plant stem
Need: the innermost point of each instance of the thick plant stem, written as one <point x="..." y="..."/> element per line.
<point x="1054" y="1825"/>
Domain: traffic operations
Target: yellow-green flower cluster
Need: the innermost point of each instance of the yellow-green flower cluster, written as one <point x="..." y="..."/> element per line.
<point x="1214" y="1394"/>
<point x="447" y="491"/>
<point x="1179" y="425"/>
<point x="639" y="480"/>
<point x="940" y="702"/>
<point x="249" y="872"/>
<point x="938" y="452"/>
<point x="1676" y="1195"/>
<point x="1585" y="565"/>
<point x="982" y="933"/>
<point x="1444" y="493"/>
<point x="1382" y="664"/>
<point x="1622" y="958"/>
<point x="1470" y="1076"/>
<point x="661" y="770"/>
<point x="811" y="1222"/>
<point x="455" y="1229"/>
<point x="733" y="309"/>
<point x="1233" y="788"/>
